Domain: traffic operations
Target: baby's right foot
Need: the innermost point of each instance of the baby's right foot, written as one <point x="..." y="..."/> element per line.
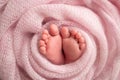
<point x="73" y="44"/>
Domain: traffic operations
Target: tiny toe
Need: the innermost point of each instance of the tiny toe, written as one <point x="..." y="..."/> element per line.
<point x="44" y="36"/>
<point x="65" y="32"/>
<point x="46" y="41"/>
<point x="73" y="33"/>
<point x="81" y="40"/>
<point x="78" y="35"/>
<point x="45" y="32"/>
<point x="54" y="30"/>
<point x="82" y="46"/>
<point x="41" y="43"/>
<point x="43" y="50"/>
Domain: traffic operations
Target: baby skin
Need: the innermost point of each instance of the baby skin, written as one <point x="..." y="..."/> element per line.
<point x="61" y="46"/>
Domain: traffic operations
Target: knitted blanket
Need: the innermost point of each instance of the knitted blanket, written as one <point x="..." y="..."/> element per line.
<point x="22" y="21"/>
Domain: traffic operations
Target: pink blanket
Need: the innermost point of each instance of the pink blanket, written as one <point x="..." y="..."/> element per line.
<point x="21" y="22"/>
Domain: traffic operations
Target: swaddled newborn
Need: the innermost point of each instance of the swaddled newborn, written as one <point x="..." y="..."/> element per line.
<point x="59" y="39"/>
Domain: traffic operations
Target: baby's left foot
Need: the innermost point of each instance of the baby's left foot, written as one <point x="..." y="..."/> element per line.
<point x="51" y="45"/>
<point x="73" y="44"/>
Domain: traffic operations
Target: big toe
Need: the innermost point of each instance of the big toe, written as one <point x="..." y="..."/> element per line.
<point x="54" y="30"/>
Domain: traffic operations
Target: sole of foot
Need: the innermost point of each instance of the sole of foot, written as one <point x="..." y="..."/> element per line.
<point x="73" y="44"/>
<point x="50" y="45"/>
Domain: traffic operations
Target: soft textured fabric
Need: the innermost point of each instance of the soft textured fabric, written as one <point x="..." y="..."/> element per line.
<point x="21" y="23"/>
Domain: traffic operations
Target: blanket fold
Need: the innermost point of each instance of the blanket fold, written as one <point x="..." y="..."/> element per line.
<point x="22" y="21"/>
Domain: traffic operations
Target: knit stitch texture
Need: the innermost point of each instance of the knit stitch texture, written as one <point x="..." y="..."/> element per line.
<point x="22" y="21"/>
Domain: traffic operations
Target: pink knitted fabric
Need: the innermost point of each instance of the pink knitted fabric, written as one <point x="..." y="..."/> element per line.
<point x="21" y="22"/>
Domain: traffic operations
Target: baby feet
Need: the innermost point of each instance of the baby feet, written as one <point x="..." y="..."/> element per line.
<point x="64" y="48"/>
<point x="73" y="44"/>
<point x="51" y="45"/>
